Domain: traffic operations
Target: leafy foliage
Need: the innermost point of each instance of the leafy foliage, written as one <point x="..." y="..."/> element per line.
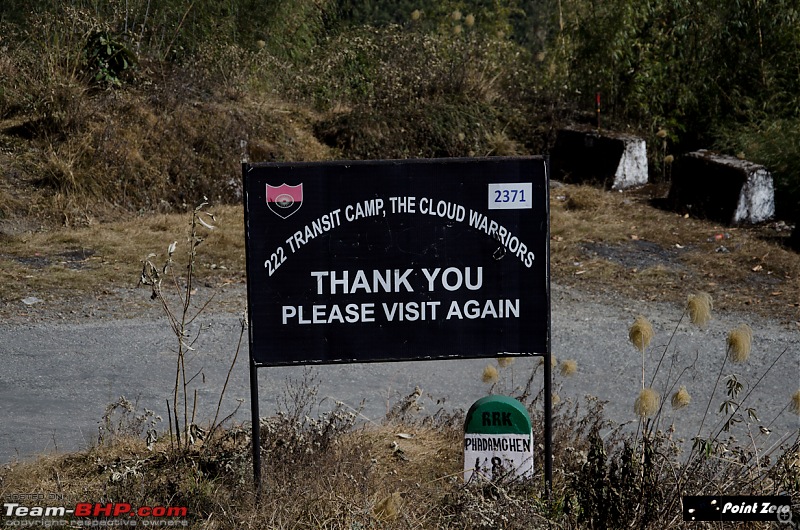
<point x="503" y="73"/>
<point x="701" y="72"/>
<point x="106" y="58"/>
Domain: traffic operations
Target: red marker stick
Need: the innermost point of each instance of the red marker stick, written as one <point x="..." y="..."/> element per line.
<point x="597" y="101"/>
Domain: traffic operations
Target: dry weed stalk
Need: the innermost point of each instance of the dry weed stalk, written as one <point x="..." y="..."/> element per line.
<point x="180" y="318"/>
<point x="795" y="403"/>
<point x="640" y="335"/>
<point x="388" y="508"/>
<point x="660" y="479"/>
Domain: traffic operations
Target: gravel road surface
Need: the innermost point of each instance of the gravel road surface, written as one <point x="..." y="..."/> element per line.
<point x="63" y="365"/>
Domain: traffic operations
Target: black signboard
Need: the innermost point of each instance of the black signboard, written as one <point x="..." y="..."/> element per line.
<point x="397" y="260"/>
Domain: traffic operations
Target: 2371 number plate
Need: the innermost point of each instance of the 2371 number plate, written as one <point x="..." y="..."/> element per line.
<point x="510" y="196"/>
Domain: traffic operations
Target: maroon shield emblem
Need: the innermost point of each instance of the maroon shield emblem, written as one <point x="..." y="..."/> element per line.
<point x="284" y="200"/>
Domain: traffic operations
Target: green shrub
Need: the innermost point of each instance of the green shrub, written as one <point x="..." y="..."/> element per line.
<point x="682" y="66"/>
<point x="395" y="92"/>
<point x="106" y="58"/>
<point x="426" y="130"/>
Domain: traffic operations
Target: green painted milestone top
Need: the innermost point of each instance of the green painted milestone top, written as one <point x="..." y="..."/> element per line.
<point x="497" y="415"/>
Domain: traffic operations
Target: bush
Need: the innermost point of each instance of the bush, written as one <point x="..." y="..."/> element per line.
<point x="399" y="93"/>
<point x="106" y="59"/>
<point x="679" y="66"/>
<point x="427" y="130"/>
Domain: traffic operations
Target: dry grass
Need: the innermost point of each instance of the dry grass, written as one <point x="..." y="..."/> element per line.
<point x="368" y="476"/>
<point x="619" y="243"/>
<point x="63" y="263"/>
<point x="174" y="149"/>
<point x="396" y="475"/>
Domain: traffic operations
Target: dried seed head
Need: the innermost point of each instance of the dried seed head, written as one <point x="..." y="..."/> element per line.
<point x="470" y="20"/>
<point x="416" y="14"/>
<point x="662" y="133"/>
<point x="569" y="367"/>
<point x="456" y="15"/>
<point x="739" y="341"/>
<point x="502" y="362"/>
<point x="641" y="333"/>
<point x="490" y="374"/>
<point x="681" y="398"/>
<point x="457" y="29"/>
<point x="553" y="361"/>
<point x="669" y="159"/>
<point x="388" y="508"/>
<point x="795" y="404"/>
<point x="647" y="403"/>
<point x="699" y="306"/>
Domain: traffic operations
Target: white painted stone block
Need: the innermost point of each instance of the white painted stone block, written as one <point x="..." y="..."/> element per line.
<point x="757" y="199"/>
<point x="612" y="160"/>
<point x="632" y="168"/>
<point x="723" y="188"/>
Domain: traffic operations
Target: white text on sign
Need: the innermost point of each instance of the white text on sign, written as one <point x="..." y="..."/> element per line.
<point x="396" y="281"/>
<point x="399" y="311"/>
<point x="450" y="279"/>
<point x="506" y="197"/>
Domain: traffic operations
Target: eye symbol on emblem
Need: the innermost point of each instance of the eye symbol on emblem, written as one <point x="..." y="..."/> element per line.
<point x="284" y="200"/>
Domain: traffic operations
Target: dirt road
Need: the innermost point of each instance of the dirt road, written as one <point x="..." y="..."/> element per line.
<point x="61" y="368"/>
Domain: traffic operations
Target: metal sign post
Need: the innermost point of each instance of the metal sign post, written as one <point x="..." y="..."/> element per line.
<point x="377" y="261"/>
